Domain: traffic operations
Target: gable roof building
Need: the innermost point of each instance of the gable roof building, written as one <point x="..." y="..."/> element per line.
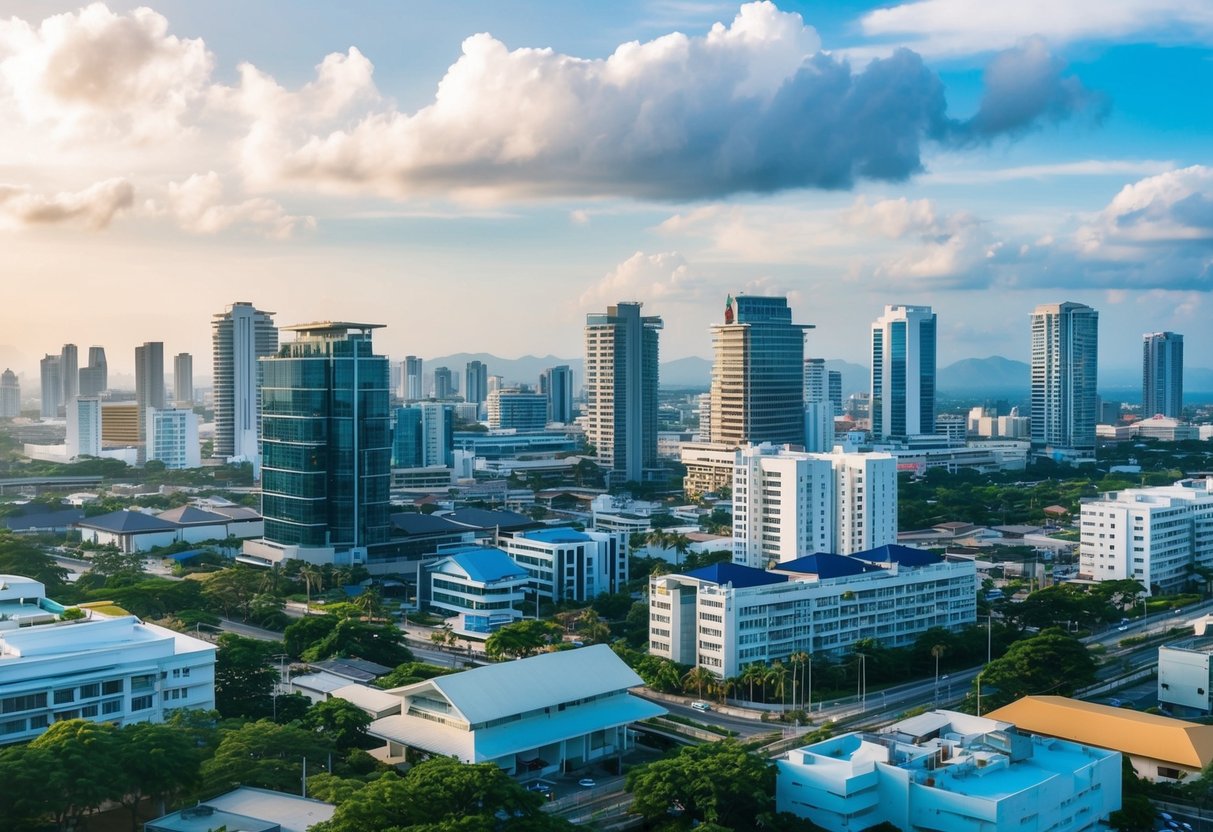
<point x="536" y="714"/>
<point x="1159" y="747"/>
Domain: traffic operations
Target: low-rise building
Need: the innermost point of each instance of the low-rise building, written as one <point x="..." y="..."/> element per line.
<point x="136" y="531"/>
<point x="547" y="713"/>
<point x="249" y="810"/>
<point x="480" y="584"/>
<point x="105" y="668"/>
<point x="1159" y="747"/>
<point x="709" y="467"/>
<point x="1185" y="677"/>
<point x="726" y="616"/>
<point x="944" y="771"/>
<point x="565" y="564"/>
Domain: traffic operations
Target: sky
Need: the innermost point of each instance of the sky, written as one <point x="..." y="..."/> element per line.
<point x="479" y="181"/>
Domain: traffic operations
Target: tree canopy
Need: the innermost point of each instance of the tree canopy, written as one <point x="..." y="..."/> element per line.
<point x="719" y="783"/>
<point x="1051" y="662"/>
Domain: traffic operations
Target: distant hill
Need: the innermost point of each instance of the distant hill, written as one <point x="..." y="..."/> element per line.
<point x="524" y="370"/>
<point x="691" y="371"/>
<point x="993" y="374"/>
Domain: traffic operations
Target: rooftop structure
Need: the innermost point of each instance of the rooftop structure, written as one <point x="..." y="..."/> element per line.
<point x="536" y="714"/>
<point x="944" y="771"/>
<point x="247" y="810"/>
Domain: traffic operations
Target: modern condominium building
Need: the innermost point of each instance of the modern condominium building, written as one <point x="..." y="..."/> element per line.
<point x="758" y="373"/>
<point x="69" y="366"/>
<point x="1065" y="351"/>
<point x="1155" y="536"/>
<point x="791" y="503"/>
<point x="1162" y="374"/>
<point x="903" y="372"/>
<point x="149" y="381"/>
<point x="183" y="379"/>
<point x="414" y="386"/>
<point x="423" y="436"/>
<point x="726" y="616"/>
<point x="172" y="437"/>
<point x="94" y="379"/>
<point x="240" y="336"/>
<point x="10" y="395"/>
<point x="557" y="384"/>
<point x="476" y="382"/>
<point x="52" y="386"/>
<point x="83" y="436"/>
<point x="519" y="408"/>
<point x="102" y="668"/>
<point x="621" y="367"/>
<point x="565" y="564"/>
<point x="325" y="445"/>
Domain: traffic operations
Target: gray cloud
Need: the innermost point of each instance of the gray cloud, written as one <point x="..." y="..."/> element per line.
<point x="95" y="206"/>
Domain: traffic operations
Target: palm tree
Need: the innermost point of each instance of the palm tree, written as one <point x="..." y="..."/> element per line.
<point x="680" y="543"/>
<point x="725" y="686"/>
<point x="697" y="677"/>
<point x="937" y="651"/>
<point x="370" y="603"/>
<point x="754" y="672"/>
<point x="799" y="660"/>
<point x="312" y="577"/>
<point x="778" y="676"/>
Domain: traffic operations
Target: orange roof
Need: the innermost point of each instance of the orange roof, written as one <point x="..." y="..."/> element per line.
<point x="1117" y="729"/>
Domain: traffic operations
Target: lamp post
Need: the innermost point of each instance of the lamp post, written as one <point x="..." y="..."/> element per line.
<point x="281" y="659"/>
<point x="979" y="673"/>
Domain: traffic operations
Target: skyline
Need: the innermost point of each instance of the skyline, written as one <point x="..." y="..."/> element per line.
<point x="1022" y="159"/>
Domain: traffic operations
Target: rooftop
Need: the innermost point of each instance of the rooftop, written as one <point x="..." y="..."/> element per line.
<point x="1119" y="729"/>
<point x="557" y="536"/>
<point x="247" y="810"/>
<point x="330" y="327"/>
<point x="481" y="518"/>
<point x="736" y="574"/>
<point x="825" y="565"/>
<point x="125" y="522"/>
<point x="903" y="555"/>
<point x="484" y="564"/>
<point x="192" y="516"/>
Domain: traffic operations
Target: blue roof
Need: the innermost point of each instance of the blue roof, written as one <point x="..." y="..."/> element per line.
<point x="904" y="555"/>
<point x="182" y="557"/>
<point x="557" y="536"/>
<point x="826" y="565"/>
<point x="737" y="575"/>
<point x="486" y="564"/>
<point x="127" y="522"/>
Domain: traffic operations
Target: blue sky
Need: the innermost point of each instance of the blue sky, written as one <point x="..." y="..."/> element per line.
<point x="442" y="174"/>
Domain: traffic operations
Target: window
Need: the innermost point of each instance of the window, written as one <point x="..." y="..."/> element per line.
<point x="142" y="683"/>
<point x="16" y="704"/>
<point x="89" y="710"/>
<point x="1169" y="773"/>
<point x="90" y="691"/>
<point x="141" y="703"/>
<point x="111" y="706"/>
<point x="113" y="686"/>
<point x="13" y="726"/>
<point x="65" y="695"/>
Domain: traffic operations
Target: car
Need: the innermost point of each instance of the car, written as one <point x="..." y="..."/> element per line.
<point x="700" y="705"/>
<point x="587" y="782"/>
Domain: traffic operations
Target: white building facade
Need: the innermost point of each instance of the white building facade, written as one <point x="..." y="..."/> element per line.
<point x="903" y="372"/>
<point x="791" y="503"/>
<point x="1065" y="351"/>
<point x="565" y="564"/>
<point x="172" y="437"/>
<point x="102" y="668"/>
<point x="727" y="616"/>
<point x="944" y="771"/>
<point x="83" y="427"/>
<point x="1151" y="535"/>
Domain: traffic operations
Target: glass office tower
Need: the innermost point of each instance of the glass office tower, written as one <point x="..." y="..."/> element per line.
<point x="326" y="439"/>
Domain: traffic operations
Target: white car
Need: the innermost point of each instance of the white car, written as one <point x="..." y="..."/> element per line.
<point x="701" y="706"/>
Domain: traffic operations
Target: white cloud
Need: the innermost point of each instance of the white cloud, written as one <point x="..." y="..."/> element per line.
<point x="963" y="27"/>
<point x="1088" y="167"/>
<point x="95" y="75"/>
<point x="662" y="277"/>
<point x="94" y="206"/>
<point x="197" y="205"/>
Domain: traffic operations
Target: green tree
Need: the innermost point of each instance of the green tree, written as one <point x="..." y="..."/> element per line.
<point x="304" y="632"/>
<point x="244" y="676"/>
<point x="265" y="755"/>
<point x="521" y="639"/>
<point x="20" y="557"/>
<point x="154" y="761"/>
<point x="379" y="643"/>
<point x="410" y="673"/>
<point x="77" y="782"/>
<point x="109" y="562"/>
<point x="719" y="783"/>
<point x="341" y="721"/>
<point x="232" y="590"/>
<point x="697" y="678"/>
<point x="1051" y="662"/>
<point x="1136" y="812"/>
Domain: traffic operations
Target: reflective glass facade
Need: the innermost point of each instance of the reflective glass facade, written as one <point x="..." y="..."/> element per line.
<point x="326" y="442"/>
<point x="903" y="372"/>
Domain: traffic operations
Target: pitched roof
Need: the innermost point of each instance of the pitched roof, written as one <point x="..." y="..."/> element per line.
<point x="191" y="516"/>
<point x="360" y="670"/>
<point x="481" y="518"/>
<point x="415" y="523"/>
<point x="500" y="690"/>
<point x="484" y="564"/>
<point x="44" y="520"/>
<point x="234" y="512"/>
<point x="126" y="522"/>
<point x="736" y="574"/>
<point x="904" y="555"/>
<point x="1118" y="729"/>
<point x="826" y="565"/>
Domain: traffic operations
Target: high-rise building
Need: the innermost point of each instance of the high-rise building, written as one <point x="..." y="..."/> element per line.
<point x="704" y="408"/>
<point x="69" y="369"/>
<point x="816" y="383"/>
<point x="149" y="381"/>
<point x="424" y="436"/>
<point x="325" y="443"/>
<point x="10" y="395"/>
<point x="120" y="424"/>
<point x="172" y="437"/>
<point x="1065" y="349"/>
<point x="414" y="389"/>
<point x="834" y="390"/>
<point x="494" y="383"/>
<point x="52" y="386"/>
<point x="903" y="372"/>
<point x="758" y="373"/>
<point x="83" y="427"/>
<point x="444" y="387"/>
<point x="183" y="379"/>
<point x="476" y="382"/>
<point x="787" y="504"/>
<point x="818" y="427"/>
<point x="621" y="367"/>
<point x="557" y="384"/>
<point x="94" y="379"/>
<point x="1162" y="374"/>
<point x="240" y="336"/>
<point x="519" y="408"/>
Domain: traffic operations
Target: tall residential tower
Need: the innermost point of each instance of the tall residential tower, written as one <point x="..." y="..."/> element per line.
<point x="1065" y="348"/>
<point x="239" y="337"/>
<point x="903" y="372"/>
<point x="1162" y="374"/>
<point x="621" y="366"/>
<point x="557" y="384"/>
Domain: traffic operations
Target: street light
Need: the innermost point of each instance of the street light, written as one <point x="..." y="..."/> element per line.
<point x="281" y="659"/>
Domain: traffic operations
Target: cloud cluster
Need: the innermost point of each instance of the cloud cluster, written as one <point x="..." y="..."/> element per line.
<point x="95" y="74"/>
<point x="961" y="27"/>
<point x="94" y="207"/>
<point x="197" y="205"/>
<point x="646" y="277"/>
